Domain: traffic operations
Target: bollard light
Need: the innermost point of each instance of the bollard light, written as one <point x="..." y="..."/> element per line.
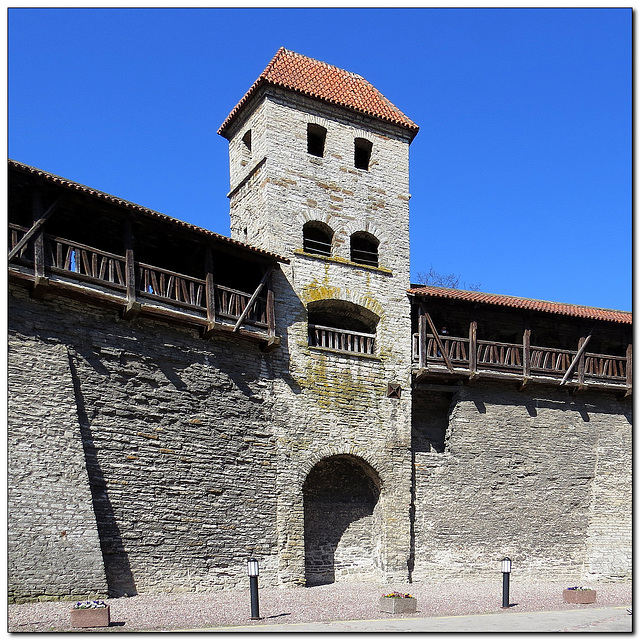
<point x="506" y="570"/>
<point x="253" y="570"/>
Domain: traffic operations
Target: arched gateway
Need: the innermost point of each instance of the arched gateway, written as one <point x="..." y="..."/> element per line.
<point x="341" y="523"/>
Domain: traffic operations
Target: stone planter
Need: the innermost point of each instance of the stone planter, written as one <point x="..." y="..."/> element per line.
<point x="576" y="596"/>
<point x="85" y="618"/>
<point x="398" y="605"/>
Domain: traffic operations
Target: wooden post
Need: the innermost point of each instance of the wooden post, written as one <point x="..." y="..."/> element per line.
<point x="40" y="281"/>
<point x="473" y="347"/>
<point x="581" y="362"/>
<point x="629" y="370"/>
<point x="210" y="294"/>
<point x="271" y="313"/>
<point x="445" y="356"/>
<point x="422" y="338"/>
<point x="133" y="306"/>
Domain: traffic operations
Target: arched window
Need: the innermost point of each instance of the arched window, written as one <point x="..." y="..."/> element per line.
<point x="246" y="139"/>
<point x="316" y="136"/>
<point x="342" y="326"/>
<point x="364" y="248"/>
<point x="317" y="238"/>
<point x="362" y="153"/>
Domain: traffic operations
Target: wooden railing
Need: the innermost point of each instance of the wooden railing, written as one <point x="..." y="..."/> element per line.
<point x="81" y="262"/>
<point x="16" y="233"/>
<point x="163" y="284"/>
<point x="231" y="303"/>
<point x="501" y="356"/>
<point x="64" y="255"/>
<point x="341" y="340"/>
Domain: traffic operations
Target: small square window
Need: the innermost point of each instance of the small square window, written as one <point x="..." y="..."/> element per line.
<point x="362" y="154"/>
<point x="316" y="136"/>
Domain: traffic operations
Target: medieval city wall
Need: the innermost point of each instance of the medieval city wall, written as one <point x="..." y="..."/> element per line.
<point x="168" y="435"/>
<point x="540" y="476"/>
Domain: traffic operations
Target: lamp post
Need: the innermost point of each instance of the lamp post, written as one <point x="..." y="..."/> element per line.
<point x="506" y="571"/>
<point x="254" y="571"/>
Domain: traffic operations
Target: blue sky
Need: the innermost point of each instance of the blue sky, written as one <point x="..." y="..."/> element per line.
<point x="520" y="174"/>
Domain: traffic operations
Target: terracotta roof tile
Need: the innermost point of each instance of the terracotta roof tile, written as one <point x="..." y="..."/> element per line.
<point x="574" y="310"/>
<point x="317" y="79"/>
<point x="13" y="164"/>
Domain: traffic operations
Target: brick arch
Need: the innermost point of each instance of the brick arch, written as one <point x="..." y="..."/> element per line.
<point x="327" y="292"/>
<point x="367" y="226"/>
<point x="336" y="450"/>
<point x="309" y="215"/>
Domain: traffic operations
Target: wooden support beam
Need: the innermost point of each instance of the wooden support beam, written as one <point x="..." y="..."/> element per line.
<point x="438" y="341"/>
<point x="210" y="294"/>
<point x="133" y="306"/>
<point x="526" y="352"/>
<point x="576" y="358"/>
<point x="40" y="281"/>
<point x="271" y="308"/>
<point x="524" y="383"/>
<point x="256" y="293"/>
<point x="422" y="338"/>
<point x="473" y="348"/>
<point x="32" y="231"/>
<point x="581" y="362"/>
<point x="629" y="368"/>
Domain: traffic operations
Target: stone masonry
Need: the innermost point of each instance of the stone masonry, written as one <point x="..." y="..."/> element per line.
<point x="144" y="458"/>
<point x="328" y="403"/>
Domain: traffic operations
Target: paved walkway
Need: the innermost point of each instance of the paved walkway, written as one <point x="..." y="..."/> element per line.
<point x="577" y="620"/>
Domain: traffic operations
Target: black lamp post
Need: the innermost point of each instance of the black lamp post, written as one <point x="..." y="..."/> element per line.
<point x="506" y="571"/>
<point x="254" y="571"/>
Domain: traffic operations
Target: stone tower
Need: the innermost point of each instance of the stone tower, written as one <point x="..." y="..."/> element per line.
<point x="319" y="166"/>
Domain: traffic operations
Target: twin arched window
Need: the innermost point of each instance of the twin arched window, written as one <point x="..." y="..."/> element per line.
<point x="317" y="237"/>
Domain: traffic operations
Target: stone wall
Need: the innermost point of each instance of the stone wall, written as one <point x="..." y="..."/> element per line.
<point x="178" y="445"/>
<point x="540" y="476"/>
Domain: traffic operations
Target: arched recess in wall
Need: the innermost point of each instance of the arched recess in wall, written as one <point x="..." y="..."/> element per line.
<point x="364" y="248"/>
<point x="317" y="237"/>
<point x="342" y="326"/>
<point x="342" y="523"/>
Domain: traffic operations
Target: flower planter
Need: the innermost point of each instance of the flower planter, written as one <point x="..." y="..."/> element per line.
<point x="578" y="596"/>
<point x="86" y="618"/>
<point x="398" y="605"/>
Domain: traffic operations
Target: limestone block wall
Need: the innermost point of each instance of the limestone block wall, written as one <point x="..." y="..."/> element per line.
<point x="540" y="476"/>
<point x="178" y="445"/>
<point x="53" y="547"/>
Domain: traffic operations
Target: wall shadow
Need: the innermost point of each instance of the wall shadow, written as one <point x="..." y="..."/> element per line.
<point x="120" y="580"/>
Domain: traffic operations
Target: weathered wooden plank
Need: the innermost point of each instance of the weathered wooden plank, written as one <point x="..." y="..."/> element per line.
<point x="256" y="293"/>
<point x="437" y="339"/>
<point x="32" y="231"/>
<point x="577" y="357"/>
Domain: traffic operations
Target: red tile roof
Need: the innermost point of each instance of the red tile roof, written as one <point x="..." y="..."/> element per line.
<point x="13" y="164"/>
<point x="310" y="77"/>
<point x="574" y="310"/>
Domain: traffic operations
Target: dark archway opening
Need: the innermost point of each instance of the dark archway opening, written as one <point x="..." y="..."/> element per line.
<point x="340" y="526"/>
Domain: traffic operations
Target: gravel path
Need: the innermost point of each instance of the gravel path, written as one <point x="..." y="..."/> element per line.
<point x="343" y="601"/>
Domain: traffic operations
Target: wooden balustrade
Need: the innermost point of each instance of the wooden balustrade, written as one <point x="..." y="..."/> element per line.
<point x="168" y="285"/>
<point x="501" y="356"/>
<point x="65" y="255"/>
<point x="231" y="303"/>
<point x="341" y="340"/>
<point x="88" y="264"/>
<point x="16" y="233"/>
